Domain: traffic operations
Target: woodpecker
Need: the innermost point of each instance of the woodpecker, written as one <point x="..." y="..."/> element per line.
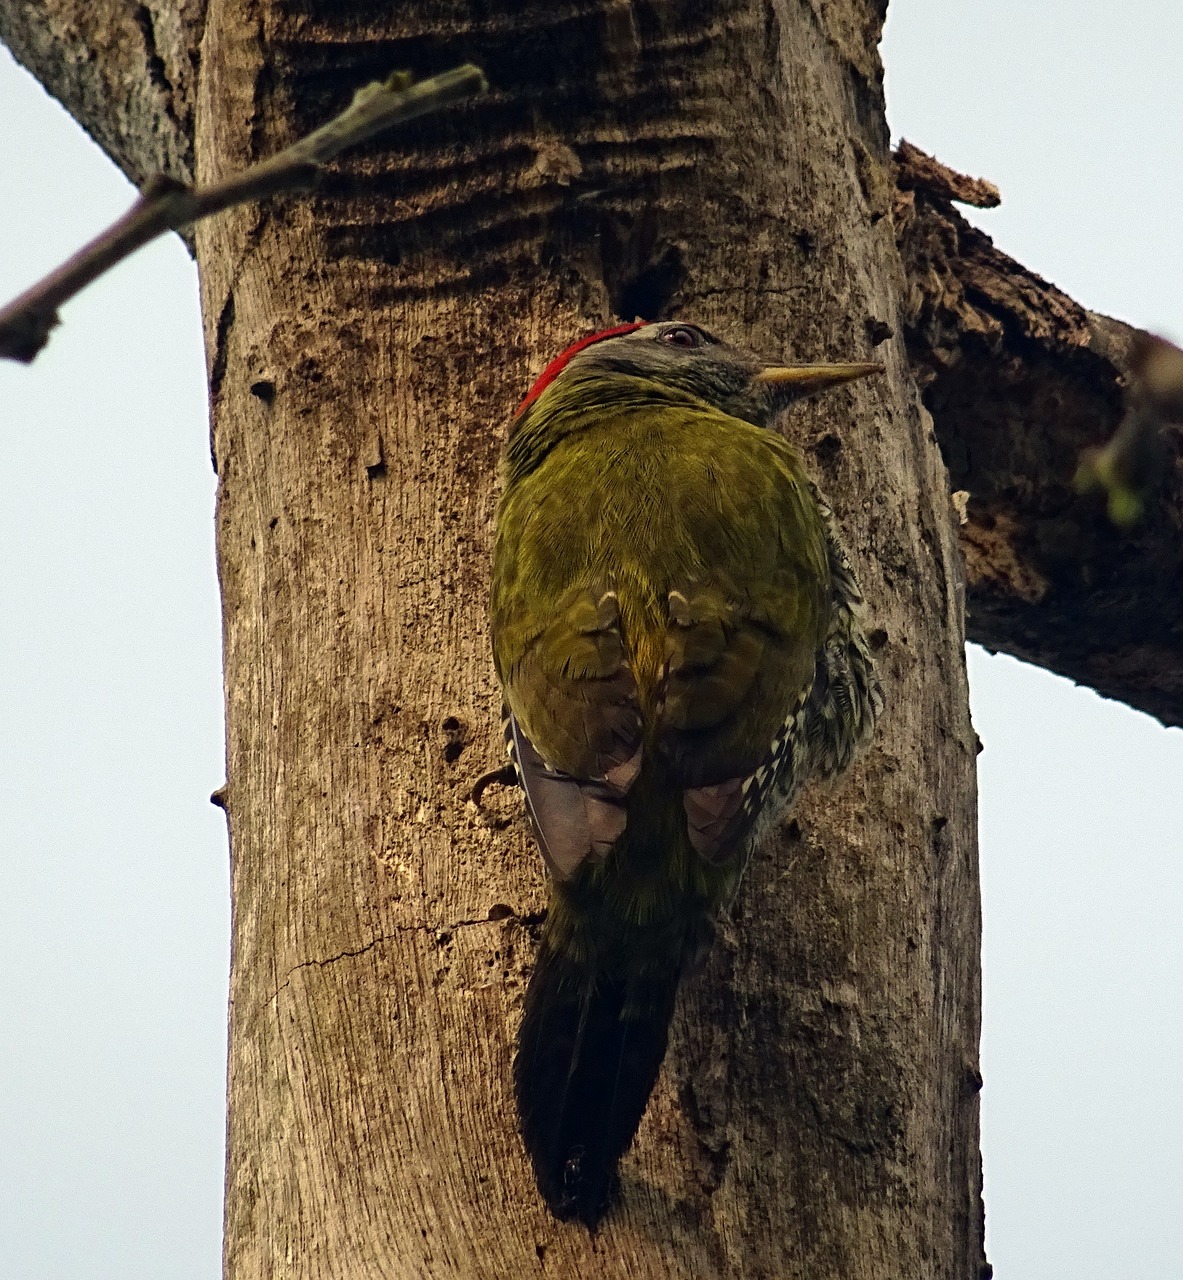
<point x="676" y="628"/>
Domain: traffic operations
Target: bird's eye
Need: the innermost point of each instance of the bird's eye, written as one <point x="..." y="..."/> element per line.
<point x="683" y="336"/>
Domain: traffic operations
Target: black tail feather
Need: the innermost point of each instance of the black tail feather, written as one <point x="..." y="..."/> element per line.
<point x="589" y="1050"/>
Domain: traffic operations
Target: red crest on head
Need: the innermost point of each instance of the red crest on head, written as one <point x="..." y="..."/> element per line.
<point x="557" y="365"/>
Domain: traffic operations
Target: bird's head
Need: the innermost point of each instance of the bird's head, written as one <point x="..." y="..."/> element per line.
<point x="687" y="358"/>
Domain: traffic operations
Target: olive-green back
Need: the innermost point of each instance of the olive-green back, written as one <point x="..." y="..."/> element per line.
<point x="660" y="582"/>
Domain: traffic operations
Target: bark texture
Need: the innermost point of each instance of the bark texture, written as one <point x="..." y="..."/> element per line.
<point x="125" y="70"/>
<point x="817" y="1116"/>
<point x="1020" y="380"/>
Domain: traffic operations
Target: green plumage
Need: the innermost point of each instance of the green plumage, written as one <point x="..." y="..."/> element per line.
<point x="673" y="628"/>
<point x="618" y="483"/>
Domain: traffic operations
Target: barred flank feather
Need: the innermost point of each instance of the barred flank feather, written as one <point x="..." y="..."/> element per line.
<point x="846" y="699"/>
<point x="589" y="1050"/>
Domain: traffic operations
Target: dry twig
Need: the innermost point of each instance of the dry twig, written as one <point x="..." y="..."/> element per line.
<point x="166" y="205"/>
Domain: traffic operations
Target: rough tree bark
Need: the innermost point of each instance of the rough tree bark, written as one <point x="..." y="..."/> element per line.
<point x="1020" y="380"/>
<point x="126" y="71"/>
<point x="817" y="1115"/>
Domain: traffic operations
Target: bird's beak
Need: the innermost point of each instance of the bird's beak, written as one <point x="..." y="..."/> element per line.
<point x="804" y="379"/>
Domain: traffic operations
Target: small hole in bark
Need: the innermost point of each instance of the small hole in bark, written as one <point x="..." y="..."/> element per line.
<point x="272" y="522"/>
<point x="828" y="447"/>
<point x="793" y="830"/>
<point x="263" y="390"/>
<point x="877" y="638"/>
<point x="454" y="733"/>
<point x="540" y="1250"/>
<point x="806" y="241"/>
<point x="443" y="938"/>
<point x="500" y="911"/>
<point x="649" y="293"/>
<point x="376" y="470"/>
<point x="878" y="331"/>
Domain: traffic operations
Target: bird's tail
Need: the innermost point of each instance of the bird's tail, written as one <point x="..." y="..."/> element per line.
<point x="589" y="1050"/>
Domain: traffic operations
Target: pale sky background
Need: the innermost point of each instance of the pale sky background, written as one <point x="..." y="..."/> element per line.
<point x="113" y="875"/>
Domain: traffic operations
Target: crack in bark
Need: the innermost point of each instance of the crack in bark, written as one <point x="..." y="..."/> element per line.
<point x="157" y="72"/>
<point x="443" y="933"/>
<point x="222" y="334"/>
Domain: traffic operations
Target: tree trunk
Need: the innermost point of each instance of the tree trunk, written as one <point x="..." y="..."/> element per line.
<point x="817" y="1114"/>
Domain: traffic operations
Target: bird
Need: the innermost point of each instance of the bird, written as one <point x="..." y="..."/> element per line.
<point x="678" y="635"/>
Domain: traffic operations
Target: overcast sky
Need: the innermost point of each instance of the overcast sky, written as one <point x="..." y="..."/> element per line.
<point x="113" y="877"/>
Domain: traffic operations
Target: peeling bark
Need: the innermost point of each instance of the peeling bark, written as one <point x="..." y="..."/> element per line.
<point x="1020" y="379"/>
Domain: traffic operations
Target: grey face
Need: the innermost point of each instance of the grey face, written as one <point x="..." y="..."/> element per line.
<point x="691" y="359"/>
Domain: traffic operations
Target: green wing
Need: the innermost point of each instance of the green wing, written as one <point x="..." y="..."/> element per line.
<point x="661" y="591"/>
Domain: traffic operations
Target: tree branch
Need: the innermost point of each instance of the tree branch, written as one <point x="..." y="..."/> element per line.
<point x="1021" y="382"/>
<point x="125" y="71"/>
<point x="167" y="204"/>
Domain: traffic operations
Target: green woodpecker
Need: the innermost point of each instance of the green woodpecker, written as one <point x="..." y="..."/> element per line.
<point x="676" y="630"/>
